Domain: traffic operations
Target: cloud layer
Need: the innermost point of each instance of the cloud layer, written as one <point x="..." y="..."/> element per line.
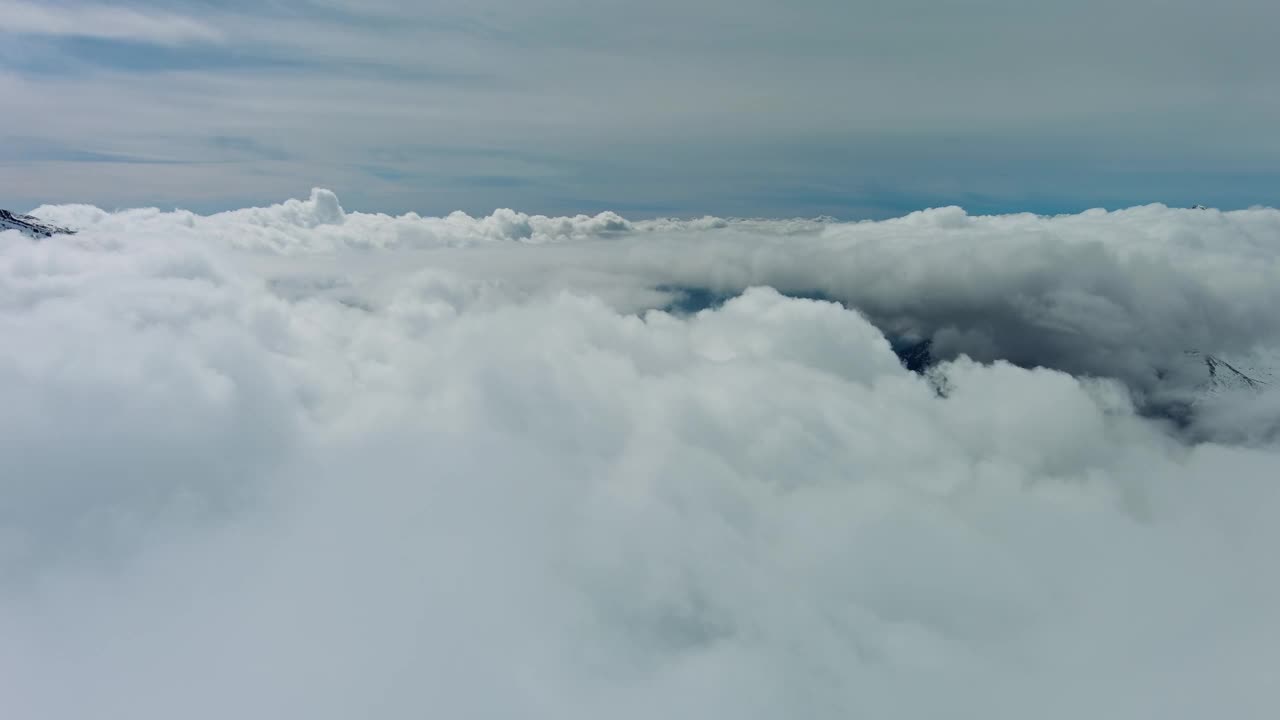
<point x="299" y="461"/>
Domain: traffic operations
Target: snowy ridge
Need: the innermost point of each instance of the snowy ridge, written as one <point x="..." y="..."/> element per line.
<point x="1186" y="386"/>
<point x="29" y="226"/>
<point x="1226" y="377"/>
<point x="1200" y="377"/>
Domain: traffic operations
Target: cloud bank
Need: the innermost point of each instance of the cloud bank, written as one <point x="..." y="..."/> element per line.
<point x="300" y="461"/>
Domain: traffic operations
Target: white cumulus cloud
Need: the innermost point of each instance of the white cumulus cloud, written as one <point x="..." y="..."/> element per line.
<point x="300" y="461"/>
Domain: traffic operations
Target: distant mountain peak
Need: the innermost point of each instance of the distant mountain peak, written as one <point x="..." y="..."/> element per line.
<point x="1224" y="376"/>
<point x="31" y="227"/>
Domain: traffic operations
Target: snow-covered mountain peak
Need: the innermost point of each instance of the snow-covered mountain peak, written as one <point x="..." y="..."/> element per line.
<point x="31" y="227"/>
<point x="1221" y="375"/>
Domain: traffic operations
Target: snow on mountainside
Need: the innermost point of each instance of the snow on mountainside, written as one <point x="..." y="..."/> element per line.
<point x="29" y="226"/>
<point x="1185" y="384"/>
<point x="1196" y="377"/>
<point x="1224" y="376"/>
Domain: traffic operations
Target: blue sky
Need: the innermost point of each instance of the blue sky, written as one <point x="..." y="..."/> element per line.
<point x="754" y="107"/>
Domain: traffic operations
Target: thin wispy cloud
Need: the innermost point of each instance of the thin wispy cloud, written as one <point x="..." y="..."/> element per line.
<point x="756" y="108"/>
<point x="110" y="22"/>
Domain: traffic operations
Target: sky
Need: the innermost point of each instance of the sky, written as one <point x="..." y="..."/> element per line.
<point x="298" y="461"/>
<point x="748" y="108"/>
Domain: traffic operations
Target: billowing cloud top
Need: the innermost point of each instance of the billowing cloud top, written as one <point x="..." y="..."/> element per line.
<point x="298" y="461"/>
